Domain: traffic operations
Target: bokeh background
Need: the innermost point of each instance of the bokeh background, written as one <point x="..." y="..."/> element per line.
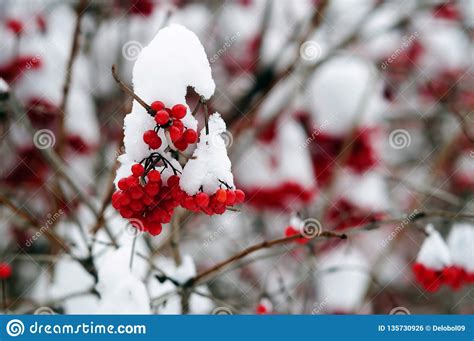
<point x="348" y="121"/>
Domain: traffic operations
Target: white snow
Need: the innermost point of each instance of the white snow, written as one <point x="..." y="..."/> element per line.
<point x="339" y="90"/>
<point x="210" y="162"/>
<point x="284" y="160"/>
<point x="182" y="273"/>
<point x="343" y="278"/>
<point x="434" y="253"/>
<point x="367" y="190"/>
<point x="461" y="245"/>
<point x="121" y="291"/>
<point x="3" y="86"/>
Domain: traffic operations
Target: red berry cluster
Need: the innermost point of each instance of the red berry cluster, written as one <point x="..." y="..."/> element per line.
<point x="452" y="276"/>
<point x="147" y="203"/>
<point x="150" y="204"/>
<point x="170" y="120"/>
<point x="213" y="204"/>
<point x="5" y="270"/>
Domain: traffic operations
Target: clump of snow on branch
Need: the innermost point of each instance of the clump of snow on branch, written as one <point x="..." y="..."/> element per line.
<point x="434" y="252"/>
<point x="209" y="162"/>
<point x="172" y="61"/>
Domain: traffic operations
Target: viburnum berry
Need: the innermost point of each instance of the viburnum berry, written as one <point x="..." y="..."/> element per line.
<point x="138" y="169"/>
<point x="221" y="195"/>
<point x="291" y="231"/>
<point x="14" y="25"/>
<point x="181" y="144"/>
<point x="175" y="133"/>
<point x="154" y="176"/>
<point x="178" y="111"/>
<point x="151" y="138"/>
<point x="123" y="184"/>
<point x="202" y="199"/>
<point x="5" y="270"/>
<point x="162" y="117"/>
<point x="239" y="196"/>
<point x="157" y="106"/>
<point x="190" y="135"/>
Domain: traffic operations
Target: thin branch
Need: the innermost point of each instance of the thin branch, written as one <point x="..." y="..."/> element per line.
<point x="130" y="92"/>
<point x="263" y="245"/>
<point x="80" y="9"/>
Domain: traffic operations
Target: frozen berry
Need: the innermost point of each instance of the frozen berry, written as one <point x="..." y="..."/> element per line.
<point x="175" y="133"/>
<point x="202" y="199"/>
<point x="162" y="117"/>
<point x="239" y="196"/>
<point x="137" y="170"/>
<point x="157" y="106"/>
<point x="221" y="195"/>
<point x="5" y="270"/>
<point x="123" y="184"/>
<point x="154" y="176"/>
<point x="190" y="136"/>
<point x="178" y="111"/>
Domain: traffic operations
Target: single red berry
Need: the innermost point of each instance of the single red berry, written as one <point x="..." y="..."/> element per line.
<point x="14" y="25"/>
<point x="239" y="196"/>
<point x="162" y="117"/>
<point x="181" y="144"/>
<point x="152" y="188"/>
<point x="261" y="309"/>
<point x="178" y="111"/>
<point x="123" y="184"/>
<point x="178" y="124"/>
<point x="136" y="192"/>
<point x="138" y="169"/>
<point x="155" y="229"/>
<point x="126" y="212"/>
<point x="149" y="136"/>
<point x="156" y="143"/>
<point x="157" y="106"/>
<point x="173" y="181"/>
<point x="175" y="133"/>
<point x="116" y="199"/>
<point x="230" y="199"/>
<point x="154" y="176"/>
<point x="202" y="199"/>
<point x="221" y="195"/>
<point x="5" y="270"/>
<point x="125" y="199"/>
<point x="190" y="135"/>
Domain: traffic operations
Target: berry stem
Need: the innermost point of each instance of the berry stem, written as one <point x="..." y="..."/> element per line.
<point x="130" y="92"/>
<point x="206" y="113"/>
